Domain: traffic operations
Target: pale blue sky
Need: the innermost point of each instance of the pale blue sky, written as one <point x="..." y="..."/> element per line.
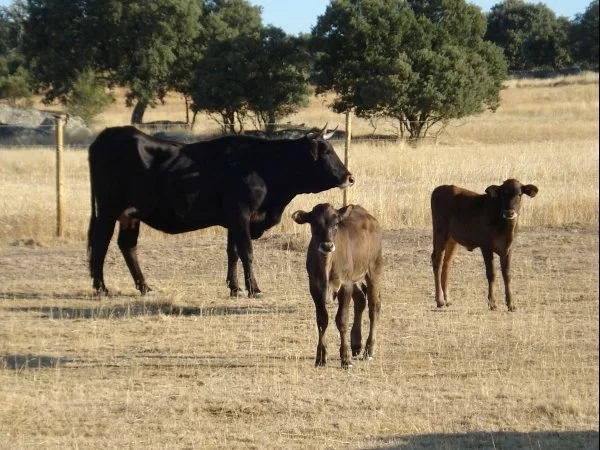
<point x="298" y="16"/>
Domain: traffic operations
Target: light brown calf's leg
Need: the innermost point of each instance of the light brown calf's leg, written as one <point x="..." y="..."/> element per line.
<point x="341" y="320"/>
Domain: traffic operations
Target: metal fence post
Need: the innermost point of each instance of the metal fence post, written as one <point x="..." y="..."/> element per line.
<point x="60" y="123"/>
<point x="347" y="149"/>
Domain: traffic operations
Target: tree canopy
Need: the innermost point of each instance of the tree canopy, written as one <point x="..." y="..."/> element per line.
<point x="530" y="34"/>
<point x="419" y="62"/>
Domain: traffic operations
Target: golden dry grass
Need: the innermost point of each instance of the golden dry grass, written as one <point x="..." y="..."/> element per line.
<point x="190" y="368"/>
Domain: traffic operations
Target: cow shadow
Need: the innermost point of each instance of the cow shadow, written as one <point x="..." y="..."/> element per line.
<point x="499" y="440"/>
<point x="138" y="309"/>
<point x="28" y="361"/>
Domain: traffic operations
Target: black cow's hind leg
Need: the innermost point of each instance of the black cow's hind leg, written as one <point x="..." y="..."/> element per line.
<point x="127" y="240"/>
<point x="101" y="236"/>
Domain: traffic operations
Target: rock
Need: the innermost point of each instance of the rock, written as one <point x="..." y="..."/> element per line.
<point x="31" y="127"/>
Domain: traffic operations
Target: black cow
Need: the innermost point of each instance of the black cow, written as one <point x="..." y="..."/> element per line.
<point x="241" y="183"/>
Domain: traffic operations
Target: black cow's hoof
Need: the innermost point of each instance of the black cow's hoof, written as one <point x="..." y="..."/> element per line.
<point x="237" y="293"/>
<point x="101" y="292"/>
<point x="146" y="290"/>
<point x="257" y="294"/>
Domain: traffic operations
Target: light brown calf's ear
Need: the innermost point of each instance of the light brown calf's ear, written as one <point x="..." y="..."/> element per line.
<point x="345" y="211"/>
<point x="300" y="217"/>
<point x="492" y="190"/>
<point x="530" y="189"/>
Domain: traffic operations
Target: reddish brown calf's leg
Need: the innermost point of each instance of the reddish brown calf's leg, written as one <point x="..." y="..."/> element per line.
<point x="448" y="253"/>
<point x="436" y="262"/>
<point x="505" y="267"/>
<point x="488" y="259"/>
<point x="360" y="302"/>
<point x="341" y="320"/>
<point x="318" y="294"/>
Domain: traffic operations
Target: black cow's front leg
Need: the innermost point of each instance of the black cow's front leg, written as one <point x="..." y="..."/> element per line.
<point x="243" y="245"/>
<point x="232" y="259"/>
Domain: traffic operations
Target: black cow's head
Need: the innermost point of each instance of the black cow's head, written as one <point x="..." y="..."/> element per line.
<point x="327" y="170"/>
<point x="509" y="195"/>
<point x="324" y="220"/>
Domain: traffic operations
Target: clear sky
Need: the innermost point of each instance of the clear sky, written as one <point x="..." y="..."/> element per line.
<point x="298" y="16"/>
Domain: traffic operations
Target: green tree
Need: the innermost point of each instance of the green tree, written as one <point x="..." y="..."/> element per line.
<point x="583" y="37"/>
<point x="89" y="96"/>
<point x="15" y="82"/>
<point x="278" y="79"/>
<point x="418" y="62"/>
<point x="230" y="29"/>
<point x="133" y="43"/>
<point x="530" y="34"/>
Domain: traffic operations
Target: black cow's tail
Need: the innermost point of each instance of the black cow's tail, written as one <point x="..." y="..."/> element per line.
<point x="92" y="225"/>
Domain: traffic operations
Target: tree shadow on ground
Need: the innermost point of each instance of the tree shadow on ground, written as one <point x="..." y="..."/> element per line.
<point x="136" y="309"/>
<point x="500" y="440"/>
<point x="20" y="362"/>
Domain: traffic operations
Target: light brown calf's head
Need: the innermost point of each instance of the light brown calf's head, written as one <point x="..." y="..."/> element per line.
<point x="324" y="220"/>
<point x="509" y="194"/>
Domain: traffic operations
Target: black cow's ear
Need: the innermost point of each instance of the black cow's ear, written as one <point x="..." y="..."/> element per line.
<point x="301" y="217"/>
<point x="492" y="191"/>
<point x="345" y="211"/>
<point x="530" y="189"/>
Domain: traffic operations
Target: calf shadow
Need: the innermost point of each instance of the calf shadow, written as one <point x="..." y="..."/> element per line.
<point x="500" y="440"/>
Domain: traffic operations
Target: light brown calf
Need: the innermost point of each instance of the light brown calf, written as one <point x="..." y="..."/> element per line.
<point x="488" y="221"/>
<point x="344" y="260"/>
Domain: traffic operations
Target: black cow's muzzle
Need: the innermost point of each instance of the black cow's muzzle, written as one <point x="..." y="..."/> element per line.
<point x="349" y="181"/>
<point x="509" y="214"/>
<point x="326" y="247"/>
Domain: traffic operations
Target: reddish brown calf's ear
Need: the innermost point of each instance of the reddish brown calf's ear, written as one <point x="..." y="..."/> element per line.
<point x="492" y="191"/>
<point x="530" y="189"/>
<point x="300" y="217"/>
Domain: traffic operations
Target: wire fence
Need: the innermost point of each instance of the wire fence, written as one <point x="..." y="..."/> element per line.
<point x="44" y="136"/>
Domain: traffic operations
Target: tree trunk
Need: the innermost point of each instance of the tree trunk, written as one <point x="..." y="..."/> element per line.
<point x="137" y="116"/>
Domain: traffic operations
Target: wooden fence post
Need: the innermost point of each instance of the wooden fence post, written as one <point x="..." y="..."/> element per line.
<point x="60" y="123"/>
<point x="347" y="149"/>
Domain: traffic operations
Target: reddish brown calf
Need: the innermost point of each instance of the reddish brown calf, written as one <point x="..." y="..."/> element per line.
<point x="344" y="260"/>
<point x="488" y="221"/>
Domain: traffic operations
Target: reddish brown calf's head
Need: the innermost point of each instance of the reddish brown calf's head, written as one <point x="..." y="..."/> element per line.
<point x="509" y="194"/>
<point x="324" y="220"/>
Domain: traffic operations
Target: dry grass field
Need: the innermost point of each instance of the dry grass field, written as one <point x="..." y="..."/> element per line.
<point x="191" y="368"/>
